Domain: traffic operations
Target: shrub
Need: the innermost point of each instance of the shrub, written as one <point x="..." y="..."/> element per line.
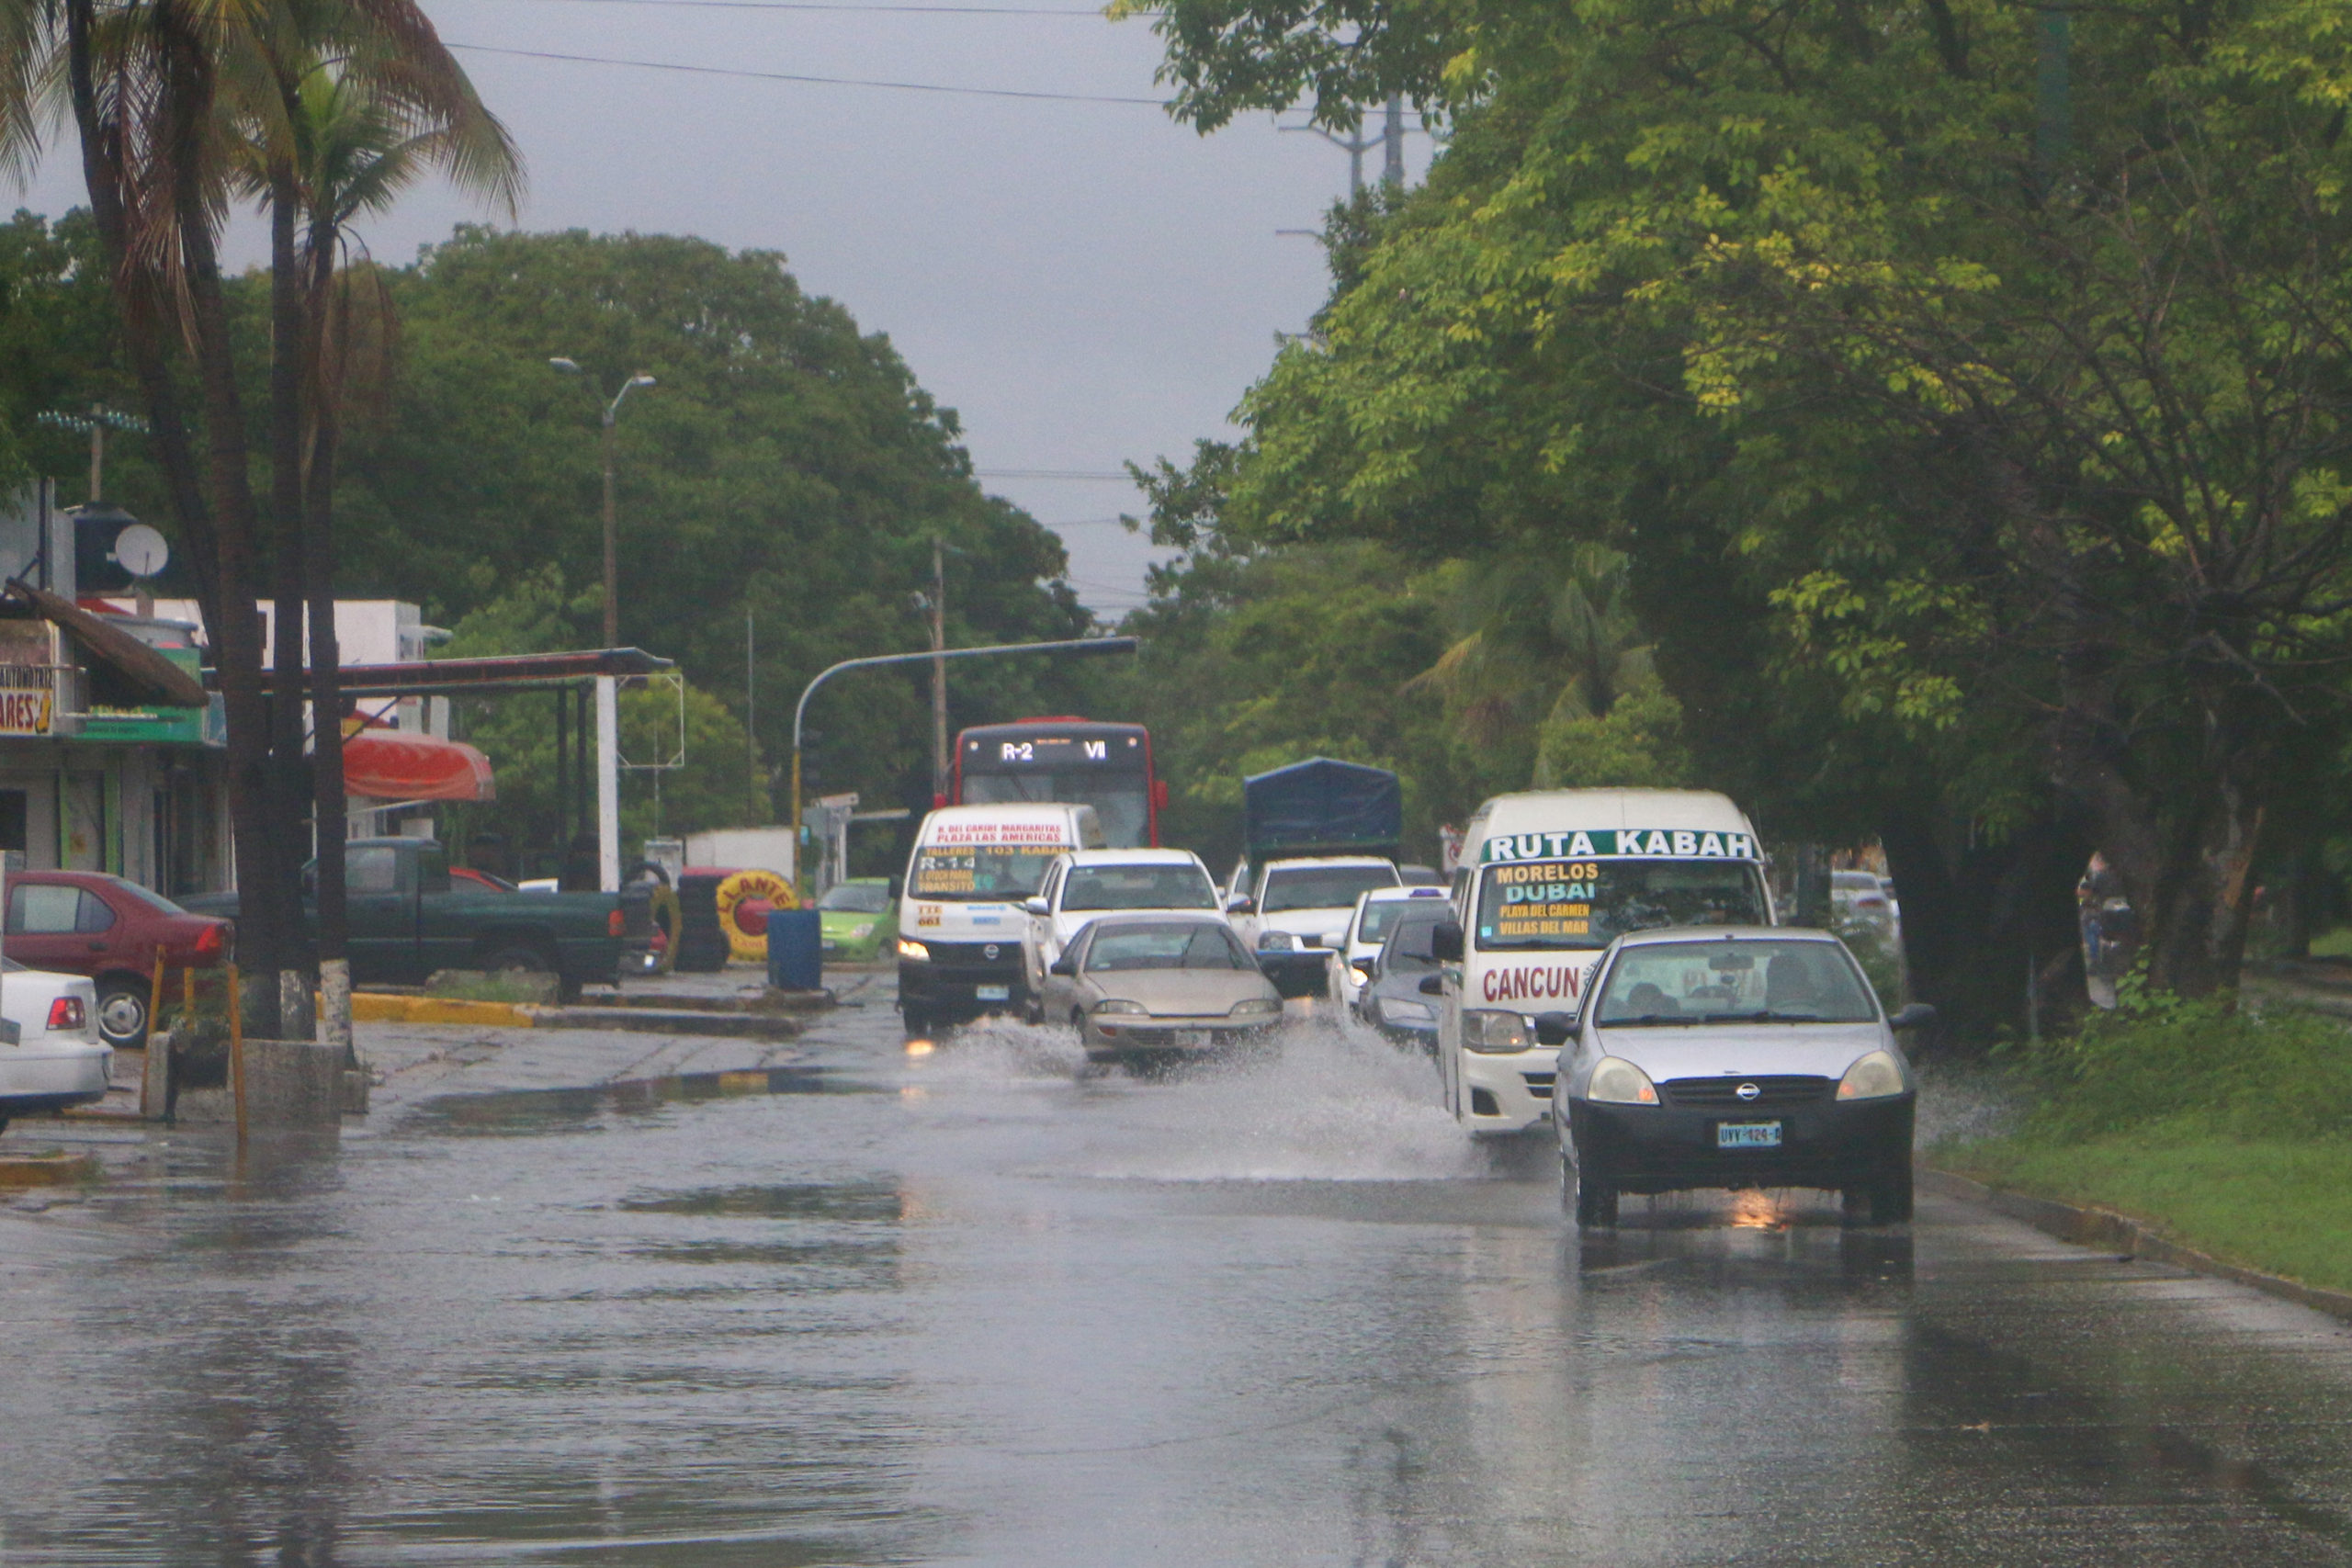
<point x="2208" y="1065"/>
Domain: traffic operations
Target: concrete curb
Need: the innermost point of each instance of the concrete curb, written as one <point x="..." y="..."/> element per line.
<point x="58" y="1169"/>
<point x="372" y="1007"/>
<point x="2104" y="1230"/>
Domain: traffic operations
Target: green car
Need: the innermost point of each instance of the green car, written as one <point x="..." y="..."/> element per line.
<point x="858" y="916"/>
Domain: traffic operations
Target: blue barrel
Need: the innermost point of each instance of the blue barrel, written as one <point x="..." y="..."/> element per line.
<point x="795" y="950"/>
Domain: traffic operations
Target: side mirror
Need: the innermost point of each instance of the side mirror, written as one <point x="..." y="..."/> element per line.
<point x="1063" y="967"/>
<point x="1918" y="1015"/>
<point x="1431" y="986"/>
<point x="1244" y="905"/>
<point x="1035" y="907"/>
<point x="1553" y="1028"/>
<point x="1446" y="941"/>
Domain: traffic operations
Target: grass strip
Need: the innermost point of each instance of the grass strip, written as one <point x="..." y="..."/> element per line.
<point x="2283" y="1206"/>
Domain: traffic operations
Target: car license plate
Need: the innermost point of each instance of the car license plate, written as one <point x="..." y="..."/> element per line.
<point x="1191" y="1037"/>
<point x="1004" y="994"/>
<point x="1747" y="1135"/>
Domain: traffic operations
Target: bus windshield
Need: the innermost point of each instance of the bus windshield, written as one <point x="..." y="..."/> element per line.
<point x="1120" y="800"/>
<point x="992" y="872"/>
<point x="1590" y="903"/>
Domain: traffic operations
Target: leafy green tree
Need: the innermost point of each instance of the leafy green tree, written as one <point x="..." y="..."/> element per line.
<point x="786" y="469"/>
<point x="1980" y="457"/>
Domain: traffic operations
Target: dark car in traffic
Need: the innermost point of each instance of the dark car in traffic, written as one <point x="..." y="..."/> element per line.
<point x="1393" y="1000"/>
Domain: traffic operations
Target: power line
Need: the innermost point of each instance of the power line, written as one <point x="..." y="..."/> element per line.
<point x="1094" y="11"/>
<point x="1096" y="474"/>
<point x="823" y="81"/>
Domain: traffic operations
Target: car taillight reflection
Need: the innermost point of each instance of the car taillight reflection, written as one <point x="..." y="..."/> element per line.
<point x="66" y="1013"/>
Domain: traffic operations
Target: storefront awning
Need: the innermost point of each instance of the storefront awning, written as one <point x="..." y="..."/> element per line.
<point x="386" y="765"/>
<point x="151" y="675"/>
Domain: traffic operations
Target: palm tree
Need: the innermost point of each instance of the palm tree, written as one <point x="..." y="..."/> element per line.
<point x="354" y="133"/>
<point x="169" y="99"/>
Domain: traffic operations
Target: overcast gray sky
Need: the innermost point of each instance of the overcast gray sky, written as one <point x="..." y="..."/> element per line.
<point x="1084" y="282"/>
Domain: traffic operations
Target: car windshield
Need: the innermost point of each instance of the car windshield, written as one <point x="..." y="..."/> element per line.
<point x="1322" y="886"/>
<point x="1590" y="903"/>
<point x="1170" y="946"/>
<point x="1380" y="916"/>
<point x="1747" y="981"/>
<point x="980" y="870"/>
<point x="1162" y="887"/>
<point x="856" y="897"/>
<point x="1121" y="801"/>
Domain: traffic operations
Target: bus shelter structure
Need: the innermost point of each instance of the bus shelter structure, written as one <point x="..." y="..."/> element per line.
<point x="583" y="688"/>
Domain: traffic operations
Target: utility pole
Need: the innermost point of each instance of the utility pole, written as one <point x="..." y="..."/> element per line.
<point x="1355" y="147"/>
<point x="611" y="414"/>
<point x="938" y="670"/>
<point x="750" y="709"/>
<point x="1392" y="137"/>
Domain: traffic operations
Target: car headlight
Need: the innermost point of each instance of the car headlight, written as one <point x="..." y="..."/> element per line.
<point x="1360" y="975"/>
<point x="1255" y="1007"/>
<point x="1397" y="1009"/>
<point x="913" y="950"/>
<point x="1276" y="942"/>
<point x="1873" y="1077"/>
<point x="1117" y="1005"/>
<point x="859" y="933"/>
<point x="1616" y="1081"/>
<point x="1486" y="1029"/>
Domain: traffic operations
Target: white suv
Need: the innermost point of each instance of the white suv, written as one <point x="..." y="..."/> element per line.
<point x="1086" y="883"/>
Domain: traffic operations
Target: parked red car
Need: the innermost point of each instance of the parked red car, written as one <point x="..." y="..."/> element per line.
<point x="86" y="922"/>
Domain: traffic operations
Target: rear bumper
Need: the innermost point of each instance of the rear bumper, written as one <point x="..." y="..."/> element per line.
<point x="1300" y="971"/>
<point x="1654" y="1149"/>
<point x="51" y="1081"/>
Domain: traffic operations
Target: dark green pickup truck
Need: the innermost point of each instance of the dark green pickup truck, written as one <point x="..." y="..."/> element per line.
<point x="409" y="917"/>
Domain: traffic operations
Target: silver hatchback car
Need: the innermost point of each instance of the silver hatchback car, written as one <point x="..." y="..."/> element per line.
<point x="1747" y="1056"/>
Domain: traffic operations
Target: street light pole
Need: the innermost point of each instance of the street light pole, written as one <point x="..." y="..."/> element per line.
<point x="612" y="510"/>
<point x="1086" y="645"/>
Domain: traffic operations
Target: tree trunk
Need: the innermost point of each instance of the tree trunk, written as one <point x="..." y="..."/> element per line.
<point x="290" y="784"/>
<point x="264" y="920"/>
<point x="1986" y="923"/>
<point x="329" y="802"/>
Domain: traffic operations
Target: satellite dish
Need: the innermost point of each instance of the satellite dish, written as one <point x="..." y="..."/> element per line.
<point x="141" y="551"/>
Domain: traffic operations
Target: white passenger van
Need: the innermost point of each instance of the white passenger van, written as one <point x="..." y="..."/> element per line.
<point x="961" y="919"/>
<point x="1549" y="878"/>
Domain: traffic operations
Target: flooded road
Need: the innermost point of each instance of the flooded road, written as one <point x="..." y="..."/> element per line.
<point x="975" y="1306"/>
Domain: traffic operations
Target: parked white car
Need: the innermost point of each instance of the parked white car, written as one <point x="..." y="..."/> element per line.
<point x="57" y="1058"/>
<point x="1085" y="884"/>
<point x="1377" y="910"/>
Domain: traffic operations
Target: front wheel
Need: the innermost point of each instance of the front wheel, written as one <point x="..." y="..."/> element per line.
<point x="918" y="1023"/>
<point x="1586" y="1191"/>
<point x="1887" y="1198"/>
<point x="122" y="1014"/>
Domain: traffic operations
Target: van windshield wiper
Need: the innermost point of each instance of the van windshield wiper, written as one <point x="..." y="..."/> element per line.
<point x="1768" y="1015"/>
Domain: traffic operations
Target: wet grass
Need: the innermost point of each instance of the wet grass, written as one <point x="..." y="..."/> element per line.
<point x="2228" y="1130"/>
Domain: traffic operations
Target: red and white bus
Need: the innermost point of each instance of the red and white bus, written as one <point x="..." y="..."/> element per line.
<point x="1069" y="760"/>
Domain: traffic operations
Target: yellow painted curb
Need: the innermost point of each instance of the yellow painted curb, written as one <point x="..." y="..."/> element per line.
<point x="371" y="1008"/>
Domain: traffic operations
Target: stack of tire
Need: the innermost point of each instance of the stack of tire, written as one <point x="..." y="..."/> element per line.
<point x="702" y="947"/>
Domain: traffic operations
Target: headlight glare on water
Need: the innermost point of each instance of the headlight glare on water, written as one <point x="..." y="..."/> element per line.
<point x="1616" y="1081"/>
<point x="1874" y="1076"/>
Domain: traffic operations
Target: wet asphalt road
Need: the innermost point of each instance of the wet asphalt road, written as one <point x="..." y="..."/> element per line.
<point x="971" y="1306"/>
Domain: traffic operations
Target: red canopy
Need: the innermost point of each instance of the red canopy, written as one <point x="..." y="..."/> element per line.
<point x="384" y="764"/>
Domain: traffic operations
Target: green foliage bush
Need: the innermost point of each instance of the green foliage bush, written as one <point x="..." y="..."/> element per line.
<point x="2210" y="1067"/>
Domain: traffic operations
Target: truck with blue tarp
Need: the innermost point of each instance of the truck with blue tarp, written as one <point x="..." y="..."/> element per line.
<point x="1315" y="834"/>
